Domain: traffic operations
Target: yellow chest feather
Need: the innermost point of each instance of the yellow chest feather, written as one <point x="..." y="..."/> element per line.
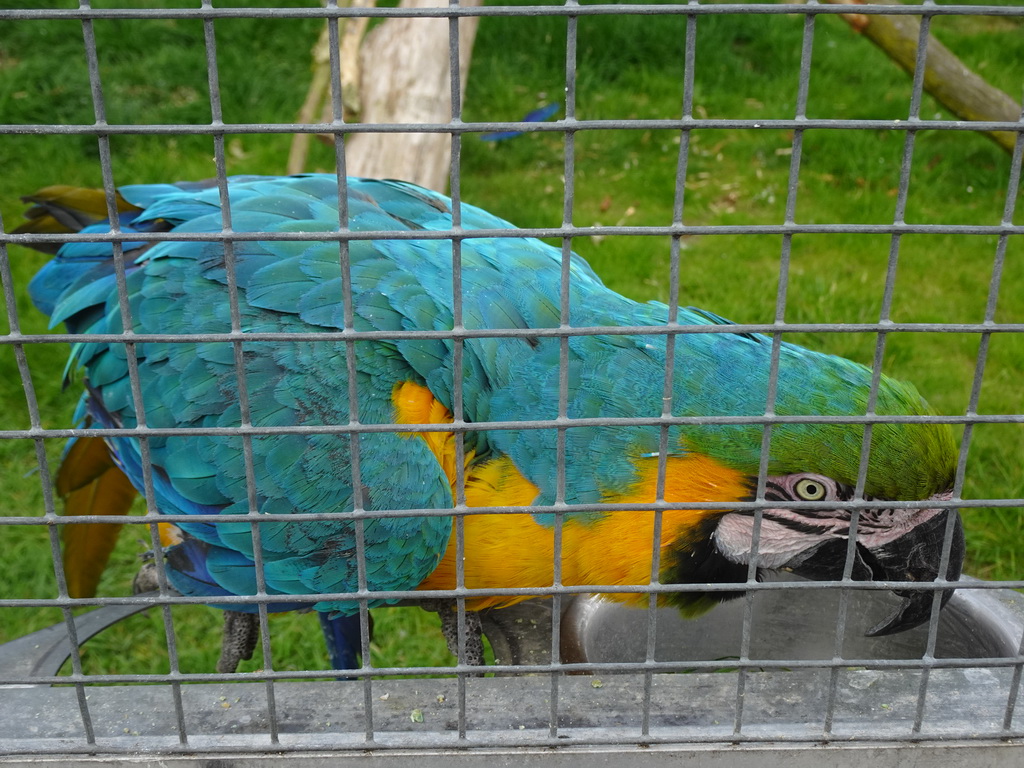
<point x="514" y="550"/>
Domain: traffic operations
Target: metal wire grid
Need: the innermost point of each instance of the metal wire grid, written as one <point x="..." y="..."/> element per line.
<point x="552" y="733"/>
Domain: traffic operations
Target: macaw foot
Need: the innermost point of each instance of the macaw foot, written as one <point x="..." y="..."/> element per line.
<point x="241" y="632"/>
<point x="520" y="634"/>
<point x="145" y="580"/>
<point x="448" y="611"/>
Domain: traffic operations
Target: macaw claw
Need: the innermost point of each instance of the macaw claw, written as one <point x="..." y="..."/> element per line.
<point x="241" y="633"/>
<point x="448" y="611"/>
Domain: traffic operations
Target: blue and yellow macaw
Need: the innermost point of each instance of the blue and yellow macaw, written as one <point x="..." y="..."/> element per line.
<point x="400" y="286"/>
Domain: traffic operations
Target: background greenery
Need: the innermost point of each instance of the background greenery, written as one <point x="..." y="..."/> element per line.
<point x="629" y="67"/>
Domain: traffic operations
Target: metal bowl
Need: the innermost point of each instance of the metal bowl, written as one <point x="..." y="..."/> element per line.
<point x="794" y="624"/>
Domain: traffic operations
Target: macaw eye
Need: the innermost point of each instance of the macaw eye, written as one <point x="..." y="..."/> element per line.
<point x="810" y="490"/>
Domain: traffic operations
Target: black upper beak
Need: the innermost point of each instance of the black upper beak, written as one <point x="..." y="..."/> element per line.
<point x="913" y="557"/>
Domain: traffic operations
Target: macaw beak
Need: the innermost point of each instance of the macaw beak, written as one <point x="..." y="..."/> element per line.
<point x="912" y="556"/>
<point x="915" y="556"/>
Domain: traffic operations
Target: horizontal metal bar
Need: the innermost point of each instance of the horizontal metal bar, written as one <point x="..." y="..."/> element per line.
<point x="417" y="596"/>
<point x="228" y="337"/>
<point x="569" y="423"/>
<point x="455" y="11"/>
<point x="529" y="669"/>
<point x="462" y="128"/>
<point x="535" y="509"/>
<point x="675" y="230"/>
<point x="950" y="749"/>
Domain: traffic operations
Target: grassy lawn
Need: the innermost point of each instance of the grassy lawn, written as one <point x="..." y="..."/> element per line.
<point x="629" y="67"/>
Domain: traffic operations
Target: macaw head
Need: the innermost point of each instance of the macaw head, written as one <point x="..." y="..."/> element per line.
<point x="819" y="464"/>
<point x="892" y="543"/>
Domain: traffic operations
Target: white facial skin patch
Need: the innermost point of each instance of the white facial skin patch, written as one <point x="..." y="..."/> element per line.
<point x="785" y="533"/>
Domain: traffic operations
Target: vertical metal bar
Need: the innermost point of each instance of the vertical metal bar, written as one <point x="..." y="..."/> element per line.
<point x="844" y="595"/>
<point x="773" y="372"/>
<point x="762" y="474"/>
<point x="972" y="410"/>
<point x="117" y="250"/>
<point x="46" y="481"/>
<point x="565" y="322"/>
<point x="216" y="114"/>
<point x="1009" y="208"/>
<point x="901" y="206"/>
<point x="667" y="396"/>
<point x="348" y="314"/>
<point x="1014" y="693"/>
<point x="458" y="416"/>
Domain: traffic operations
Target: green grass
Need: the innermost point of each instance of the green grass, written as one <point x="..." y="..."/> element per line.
<point x="746" y="67"/>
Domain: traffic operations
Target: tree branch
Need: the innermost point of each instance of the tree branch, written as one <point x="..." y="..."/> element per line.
<point x="946" y="78"/>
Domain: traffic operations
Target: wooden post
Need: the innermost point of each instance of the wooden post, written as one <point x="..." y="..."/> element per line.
<point x="399" y="74"/>
<point x="317" y="104"/>
<point x="405" y="78"/>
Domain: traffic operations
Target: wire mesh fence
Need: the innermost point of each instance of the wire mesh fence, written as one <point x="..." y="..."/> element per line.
<point x="958" y="679"/>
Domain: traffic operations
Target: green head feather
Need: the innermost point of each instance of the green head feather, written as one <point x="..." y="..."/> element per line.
<point x="906" y="462"/>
